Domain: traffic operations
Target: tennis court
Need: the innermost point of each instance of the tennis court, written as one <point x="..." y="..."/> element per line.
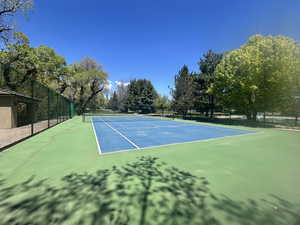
<point x="119" y="133"/>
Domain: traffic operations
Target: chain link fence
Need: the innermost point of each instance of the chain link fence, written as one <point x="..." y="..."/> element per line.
<point x="271" y="120"/>
<point x="29" y="107"/>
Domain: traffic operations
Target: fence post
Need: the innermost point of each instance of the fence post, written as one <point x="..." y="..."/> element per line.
<point x="57" y="107"/>
<point x="64" y="109"/>
<point x="48" y="107"/>
<point x="70" y="112"/>
<point x="60" y="113"/>
<point x="33" y="105"/>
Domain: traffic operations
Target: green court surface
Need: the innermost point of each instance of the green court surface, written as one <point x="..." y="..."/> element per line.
<point x="241" y="171"/>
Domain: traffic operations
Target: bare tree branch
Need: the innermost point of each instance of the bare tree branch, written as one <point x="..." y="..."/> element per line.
<point x="3" y="29"/>
<point x="8" y="8"/>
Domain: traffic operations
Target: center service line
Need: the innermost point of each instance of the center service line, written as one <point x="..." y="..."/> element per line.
<point x="122" y="135"/>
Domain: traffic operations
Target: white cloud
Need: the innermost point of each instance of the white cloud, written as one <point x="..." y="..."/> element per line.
<point x="109" y="84"/>
<point x="119" y="83"/>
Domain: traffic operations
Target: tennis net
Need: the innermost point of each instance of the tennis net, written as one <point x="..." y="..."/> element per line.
<point x="94" y="117"/>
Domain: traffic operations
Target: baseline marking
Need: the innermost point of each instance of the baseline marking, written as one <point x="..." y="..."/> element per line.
<point x="122" y="135"/>
<point x="99" y="149"/>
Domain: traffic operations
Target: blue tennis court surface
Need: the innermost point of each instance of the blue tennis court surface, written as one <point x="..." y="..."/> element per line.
<point x="130" y="133"/>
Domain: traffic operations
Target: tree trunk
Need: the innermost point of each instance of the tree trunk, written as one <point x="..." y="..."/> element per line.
<point x="81" y="100"/>
<point x="89" y="99"/>
<point x="62" y="88"/>
<point x="254" y="116"/>
<point x="212" y="106"/>
<point x="144" y="201"/>
<point x="6" y="73"/>
<point x="207" y="111"/>
<point x="212" y="110"/>
<point x="14" y="85"/>
<point x="249" y="116"/>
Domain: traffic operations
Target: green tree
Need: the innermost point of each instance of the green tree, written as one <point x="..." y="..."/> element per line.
<point x="20" y="62"/>
<point x="98" y="102"/>
<point x="162" y="103"/>
<point x="53" y="69"/>
<point x="141" y="96"/>
<point x="200" y="95"/>
<point x="88" y="81"/>
<point x="260" y="76"/>
<point x="292" y="102"/>
<point x="183" y="92"/>
<point x="207" y="66"/>
<point x="113" y="102"/>
<point x="122" y="95"/>
<point x="8" y="10"/>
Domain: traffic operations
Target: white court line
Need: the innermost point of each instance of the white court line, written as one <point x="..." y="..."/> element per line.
<point x="153" y="147"/>
<point x="122" y="135"/>
<point x="99" y="149"/>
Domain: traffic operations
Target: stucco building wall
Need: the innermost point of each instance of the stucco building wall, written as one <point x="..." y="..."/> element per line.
<point x="8" y="114"/>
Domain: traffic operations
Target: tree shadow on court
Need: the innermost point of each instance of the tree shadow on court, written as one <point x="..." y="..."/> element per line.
<point x="143" y="192"/>
<point x="275" y="211"/>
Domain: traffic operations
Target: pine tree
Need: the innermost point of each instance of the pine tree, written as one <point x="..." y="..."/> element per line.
<point x="208" y="66"/>
<point x="141" y="96"/>
<point x="113" y="102"/>
<point x="183" y="91"/>
<point x="200" y="95"/>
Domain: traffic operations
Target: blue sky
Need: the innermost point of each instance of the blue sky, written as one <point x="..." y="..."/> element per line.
<point x="152" y="39"/>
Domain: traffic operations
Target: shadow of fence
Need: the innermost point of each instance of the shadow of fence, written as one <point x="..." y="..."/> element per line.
<point x="143" y="192"/>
